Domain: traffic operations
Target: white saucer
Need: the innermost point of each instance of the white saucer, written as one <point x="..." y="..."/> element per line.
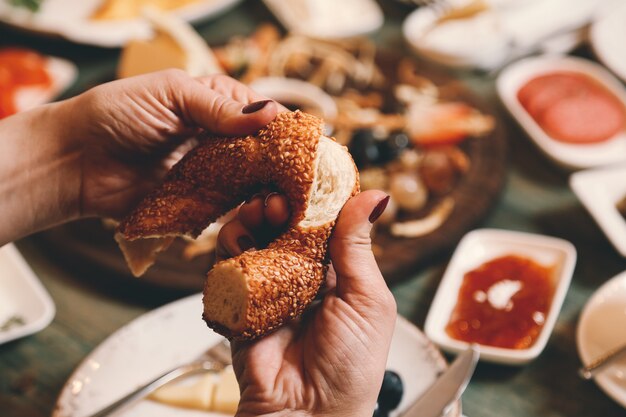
<point x="175" y="333"/>
<point x="602" y="327"/>
<point x="21" y="296"/>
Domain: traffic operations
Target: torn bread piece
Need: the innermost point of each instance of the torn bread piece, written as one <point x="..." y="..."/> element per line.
<point x="251" y="294"/>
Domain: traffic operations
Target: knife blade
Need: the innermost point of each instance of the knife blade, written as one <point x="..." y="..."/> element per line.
<point x="447" y="388"/>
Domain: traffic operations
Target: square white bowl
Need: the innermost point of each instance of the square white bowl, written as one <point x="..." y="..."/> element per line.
<point x="600" y="190"/>
<point x="569" y="156"/>
<point x="480" y="246"/>
<point x="21" y="295"/>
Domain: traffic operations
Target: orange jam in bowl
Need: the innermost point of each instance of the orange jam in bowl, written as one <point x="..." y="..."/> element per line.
<point x="503" y="303"/>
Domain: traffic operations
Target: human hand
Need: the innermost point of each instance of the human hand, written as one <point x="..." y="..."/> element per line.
<point x="332" y="361"/>
<point x="130" y="131"/>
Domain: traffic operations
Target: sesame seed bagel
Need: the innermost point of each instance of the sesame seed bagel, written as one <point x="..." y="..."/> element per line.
<point x="251" y="294"/>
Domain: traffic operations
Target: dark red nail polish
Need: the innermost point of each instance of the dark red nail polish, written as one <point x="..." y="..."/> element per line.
<point x="267" y="199"/>
<point x="379" y="209"/>
<point x="245" y="243"/>
<point x="254" y="107"/>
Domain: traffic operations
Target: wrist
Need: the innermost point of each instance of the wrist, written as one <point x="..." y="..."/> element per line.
<point x="39" y="170"/>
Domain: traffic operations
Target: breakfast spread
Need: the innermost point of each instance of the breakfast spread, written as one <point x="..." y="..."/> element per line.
<point x="503" y="303"/>
<point x="402" y="130"/>
<point x="249" y="295"/>
<point x="572" y="107"/>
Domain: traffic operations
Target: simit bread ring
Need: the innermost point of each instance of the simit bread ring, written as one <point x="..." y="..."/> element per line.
<point x="257" y="291"/>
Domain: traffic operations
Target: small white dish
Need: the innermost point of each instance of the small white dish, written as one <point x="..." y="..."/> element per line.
<point x="601" y="329"/>
<point x="600" y="190"/>
<point x="503" y="31"/>
<point x="21" y="296"/>
<point x="301" y="93"/>
<point x="480" y="246"/>
<point x="139" y="351"/>
<point x="569" y="156"/>
<point x="607" y="36"/>
<point x="71" y="19"/>
<point x="327" y="19"/>
<point x="62" y="72"/>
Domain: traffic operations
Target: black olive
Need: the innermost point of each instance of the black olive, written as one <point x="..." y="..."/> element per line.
<point x="390" y="392"/>
<point x="391" y="148"/>
<point x="379" y="412"/>
<point x="364" y="148"/>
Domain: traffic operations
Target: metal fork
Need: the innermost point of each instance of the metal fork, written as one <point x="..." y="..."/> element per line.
<point x="216" y="358"/>
<point x="589" y="371"/>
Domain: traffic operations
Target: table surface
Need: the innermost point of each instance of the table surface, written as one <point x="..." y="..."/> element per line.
<point x="91" y="304"/>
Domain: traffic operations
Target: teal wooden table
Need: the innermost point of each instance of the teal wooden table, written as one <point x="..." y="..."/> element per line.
<point x="91" y="304"/>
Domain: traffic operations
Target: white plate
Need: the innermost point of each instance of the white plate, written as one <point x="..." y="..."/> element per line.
<point x="480" y="246"/>
<point x="601" y="329"/>
<point x="70" y="19"/>
<point x="290" y="90"/>
<point x="21" y="295"/>
<point x="600" y="190"/>
<point x="570" y="156"/>
<point x="327" y="19"/>
<point x="63" y="73"/>
<point x="607" y="36"/>
<point x="174" y="334"/>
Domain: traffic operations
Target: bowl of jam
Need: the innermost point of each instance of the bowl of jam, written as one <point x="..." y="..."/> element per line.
<point x="502" y="291"/>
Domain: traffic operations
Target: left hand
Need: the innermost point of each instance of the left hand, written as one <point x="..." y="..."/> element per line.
<point x="129" y="130"/>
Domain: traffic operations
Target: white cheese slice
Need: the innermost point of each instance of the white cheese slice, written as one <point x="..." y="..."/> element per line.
<point x="198" y="395"/>
<point x="226" y="396"/>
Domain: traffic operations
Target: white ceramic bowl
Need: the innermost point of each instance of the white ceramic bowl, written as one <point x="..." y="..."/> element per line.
<point x="486" y="52"/>
<point x="480" y="246"/>
<point x="601" y="329"/>
<point x="600" y="190"/>
<point x="570" y="156"/>
<point x="21" y="295"/>
<point x="291" y="90"/>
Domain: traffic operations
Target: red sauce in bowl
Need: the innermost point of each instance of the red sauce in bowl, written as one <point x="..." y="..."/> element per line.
<point x="573" y="107"/>
<point x="503" y="303"/>
<point x="19" y="68"/>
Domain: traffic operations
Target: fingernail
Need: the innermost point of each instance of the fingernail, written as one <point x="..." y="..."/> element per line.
<point x="257" y="195"/>
<point x="379" y="209"/>
<point x="267" y="199"/>
<point x="245" y="243"/>
<point x="254" y="107"/>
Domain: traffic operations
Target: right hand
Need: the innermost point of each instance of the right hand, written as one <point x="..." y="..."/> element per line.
<point x="332" y="360"/>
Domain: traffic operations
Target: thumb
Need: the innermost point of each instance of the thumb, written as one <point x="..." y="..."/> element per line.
<point x="358" y="278"/>
<point x="222" y="115"/>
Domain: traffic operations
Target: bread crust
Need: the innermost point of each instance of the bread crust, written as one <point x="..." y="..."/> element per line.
<point x="219" y="174"/>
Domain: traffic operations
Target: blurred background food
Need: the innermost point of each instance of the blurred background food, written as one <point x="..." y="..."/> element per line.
<point x="412" y="89"/>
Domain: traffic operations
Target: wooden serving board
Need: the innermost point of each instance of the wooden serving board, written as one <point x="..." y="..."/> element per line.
<point x="89" y="242"/>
